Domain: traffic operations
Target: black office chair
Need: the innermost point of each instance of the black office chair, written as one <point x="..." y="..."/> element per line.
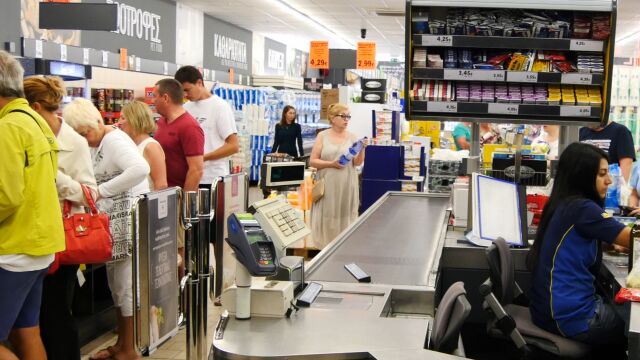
<point x="452" y="312"/>
<point x="504" y="299"/>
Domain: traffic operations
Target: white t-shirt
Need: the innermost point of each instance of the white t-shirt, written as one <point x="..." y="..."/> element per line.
<point x="217" y="120"/>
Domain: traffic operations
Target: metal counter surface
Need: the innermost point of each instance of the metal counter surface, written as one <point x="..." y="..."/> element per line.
<point x="615" y="277"/>
<point x="387" y="319"/>
<point x="396" y="241"/>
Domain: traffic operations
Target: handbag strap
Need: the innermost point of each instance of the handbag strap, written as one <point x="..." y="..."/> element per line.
<point x="90" y="200"/>
<point x="66" y="212"/>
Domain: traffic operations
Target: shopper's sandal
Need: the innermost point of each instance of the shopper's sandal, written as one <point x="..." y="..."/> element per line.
<point x="104" y="354"/>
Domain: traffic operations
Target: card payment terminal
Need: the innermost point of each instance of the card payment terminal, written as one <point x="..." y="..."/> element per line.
<point x="252" y="247"/>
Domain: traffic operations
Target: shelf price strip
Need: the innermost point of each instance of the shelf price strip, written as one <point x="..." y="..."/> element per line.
<point x="522" y="76"/>
<point x="577" y="78"/>
<point x="586" y="45"/>
<point x="437" y="40"/>
<point x="319" y="55"/>
<point x="474" y="75"/>
<point x="504" y="109"/>
<point x="442" y="107"/>
<point x="575" y="111"/>
<point x="366" y="55"/>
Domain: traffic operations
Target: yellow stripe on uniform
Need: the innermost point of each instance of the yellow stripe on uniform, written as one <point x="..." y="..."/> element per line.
<point x="553" y="265"/>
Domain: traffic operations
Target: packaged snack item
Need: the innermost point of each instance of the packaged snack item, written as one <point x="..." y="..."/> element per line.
<point x="581" y="26"/>
<point x="600" y="27"/>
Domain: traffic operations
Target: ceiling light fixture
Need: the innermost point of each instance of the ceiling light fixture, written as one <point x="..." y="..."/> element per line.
<point x="629" y="37"/>
<point x="307" y="17"/>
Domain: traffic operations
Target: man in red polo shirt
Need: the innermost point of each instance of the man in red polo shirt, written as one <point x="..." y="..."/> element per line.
<point x="180" y="136"/>
<point x="182" y="140"/>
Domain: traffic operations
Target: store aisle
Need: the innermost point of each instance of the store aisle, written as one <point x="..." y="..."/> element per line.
<point x="173" y="349"/>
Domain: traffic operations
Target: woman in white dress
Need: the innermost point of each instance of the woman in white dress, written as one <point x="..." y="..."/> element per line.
<point x="121" y="173"/>
<point x="339" y="206"/>
<point x="136" y="120"/>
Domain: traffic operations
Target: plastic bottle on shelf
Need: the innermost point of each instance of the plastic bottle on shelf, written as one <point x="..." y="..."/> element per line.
<point x="355" y="148"/>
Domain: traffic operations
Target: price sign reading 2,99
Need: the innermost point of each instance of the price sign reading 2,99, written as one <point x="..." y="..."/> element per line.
<point x="319" y="55"/>
<point x="366" y="55"/>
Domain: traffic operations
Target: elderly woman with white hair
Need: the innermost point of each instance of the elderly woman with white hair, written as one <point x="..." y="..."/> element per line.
<point x="121" y="173"/>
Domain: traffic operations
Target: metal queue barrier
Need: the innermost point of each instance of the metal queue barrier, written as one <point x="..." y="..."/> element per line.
<point x="230" y="194"/>
<point x="155" y="222"/>
<point x="163" y="300"/>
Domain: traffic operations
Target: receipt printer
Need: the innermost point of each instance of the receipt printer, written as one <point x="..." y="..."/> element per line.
<point x="291" y="268"/>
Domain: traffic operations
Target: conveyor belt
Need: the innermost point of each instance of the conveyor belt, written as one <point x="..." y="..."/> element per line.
<point x="395" y="241"/>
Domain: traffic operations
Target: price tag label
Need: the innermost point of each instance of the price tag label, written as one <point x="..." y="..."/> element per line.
<point x="63" y="52"/>
<point x="38" y="49"/>
<point x="442" y="107"/>
<point x="240" y="79"/>
<point x="85" y="56"/>
<point x="248" y="80"/>
<point x="319" y="55"/>
<point x="105" y="58"/>
<point x="477" y="75"/>
<point x="577" y="78"/>
<point x="522" y="76"/>
<point x="138" y="63"/>
<point x="366" y="55"/>
<point x="575" y="111"/>
<point x="437" y="40"/>
<point x="504" y="109"/>
<point x="165" y="68"/>
<point x="586" y="45"/>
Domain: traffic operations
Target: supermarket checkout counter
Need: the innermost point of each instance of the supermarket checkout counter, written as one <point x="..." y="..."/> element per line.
<point x="463" y="261"/>
<point x="398" y="242"/>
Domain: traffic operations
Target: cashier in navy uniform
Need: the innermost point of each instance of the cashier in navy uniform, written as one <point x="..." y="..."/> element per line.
<point x="616" y="140"/>
<point x="566" y="254"/>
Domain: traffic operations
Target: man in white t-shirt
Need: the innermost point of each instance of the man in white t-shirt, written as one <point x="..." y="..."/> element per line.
<point x="216" y="118"/>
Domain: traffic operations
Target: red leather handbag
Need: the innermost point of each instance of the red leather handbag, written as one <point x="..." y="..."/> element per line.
<point x="87" y="235"/>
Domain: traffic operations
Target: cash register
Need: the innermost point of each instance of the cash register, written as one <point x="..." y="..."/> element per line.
<point x="256" y="255"/>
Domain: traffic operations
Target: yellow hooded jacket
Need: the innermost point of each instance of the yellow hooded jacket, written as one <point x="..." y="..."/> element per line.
<point x="30" y="217"/>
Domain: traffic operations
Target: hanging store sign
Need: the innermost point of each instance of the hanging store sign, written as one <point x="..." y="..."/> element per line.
<point x="319" y="55"/>
<point x="226" y="46"/>
<point x="274" y="57"/>
<point x="146" y="28"/>
<point x="366" y="55"/>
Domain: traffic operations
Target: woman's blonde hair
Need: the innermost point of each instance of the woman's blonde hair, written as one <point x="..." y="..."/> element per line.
<point x="336" y="109"/>
<point x="139" y="117"/>
<point x="82" y="113"/>
<point x="44" y="90"/>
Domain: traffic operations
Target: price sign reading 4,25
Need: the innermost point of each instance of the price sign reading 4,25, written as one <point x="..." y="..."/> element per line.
<point x="319" y="55"/>
<point x="586" y="45"/>
<point x="366" y="55"/>
<point x="437" y="40"/>
<point x="504" y="109"/>
<point x="577" y="78"/>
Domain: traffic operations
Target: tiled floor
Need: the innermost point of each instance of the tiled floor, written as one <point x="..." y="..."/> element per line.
<point x="175" y="348"/>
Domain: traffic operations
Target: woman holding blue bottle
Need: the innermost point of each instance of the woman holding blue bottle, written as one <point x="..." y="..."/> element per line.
<point x="338" y="207"/>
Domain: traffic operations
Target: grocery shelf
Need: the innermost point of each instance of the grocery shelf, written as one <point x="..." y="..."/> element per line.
<point x="506" y="109"/>
<point x="507" y="76"/>
<point x="499" y="42"/>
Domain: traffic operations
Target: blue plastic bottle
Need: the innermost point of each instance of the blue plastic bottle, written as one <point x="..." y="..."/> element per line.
<point x="612" y="200"/>
<point x="351" y="153"/>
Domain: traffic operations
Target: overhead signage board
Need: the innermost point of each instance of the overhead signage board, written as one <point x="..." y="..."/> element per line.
<point x="275" y="57"/>
<point x="319" y="55"/>
<point x="226" y="47"/>
<point x="145" y="28"/>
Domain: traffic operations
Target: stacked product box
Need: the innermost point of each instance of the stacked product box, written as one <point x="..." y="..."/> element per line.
<point x="442" y="175"/>
<point x="259" y="147"/>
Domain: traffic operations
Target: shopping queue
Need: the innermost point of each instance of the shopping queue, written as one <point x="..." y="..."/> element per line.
<point x="55" y="166"/>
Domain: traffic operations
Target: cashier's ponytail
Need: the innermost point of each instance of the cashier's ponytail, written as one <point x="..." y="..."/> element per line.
<point x="575" y="179"/>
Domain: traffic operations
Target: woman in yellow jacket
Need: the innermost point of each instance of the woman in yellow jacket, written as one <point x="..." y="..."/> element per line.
<point x="31" y="229"/>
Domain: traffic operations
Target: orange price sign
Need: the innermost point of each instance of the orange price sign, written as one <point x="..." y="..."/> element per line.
<point x="319" y="55"/>
<point x="124" y="60"/>
<point x="366" y="55"/>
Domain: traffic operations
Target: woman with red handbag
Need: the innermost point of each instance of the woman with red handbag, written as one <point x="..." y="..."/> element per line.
<point x="121" y="173"/>
<point x="58" y="328"/>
